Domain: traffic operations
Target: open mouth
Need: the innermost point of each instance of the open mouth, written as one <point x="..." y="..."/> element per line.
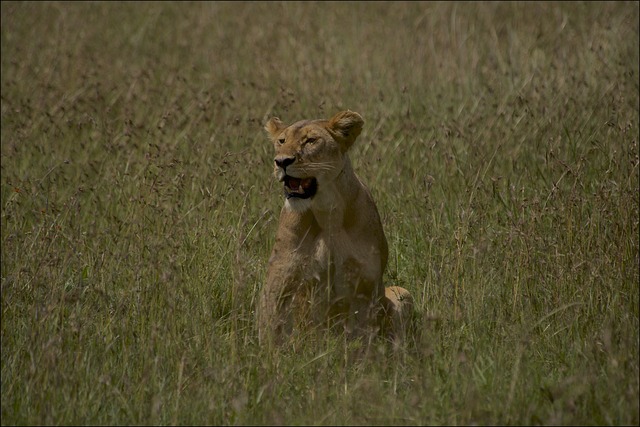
<point x="302" y="188"/>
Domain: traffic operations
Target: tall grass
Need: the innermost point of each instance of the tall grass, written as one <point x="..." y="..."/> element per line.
<point x="138" y="209"/>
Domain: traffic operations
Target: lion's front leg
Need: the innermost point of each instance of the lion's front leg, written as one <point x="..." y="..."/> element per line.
<point x="275" y="317"/>
<point x="359" y="298"/>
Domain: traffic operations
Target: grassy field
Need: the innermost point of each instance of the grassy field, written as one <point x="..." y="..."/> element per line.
<point x="139" y="210"/>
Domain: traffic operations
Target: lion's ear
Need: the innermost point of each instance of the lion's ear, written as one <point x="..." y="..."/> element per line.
<point x="274" y="126"/>
<point x="345" y="127"/>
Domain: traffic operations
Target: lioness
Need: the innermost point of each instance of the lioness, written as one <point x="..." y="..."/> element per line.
<point x="330" y="250"/>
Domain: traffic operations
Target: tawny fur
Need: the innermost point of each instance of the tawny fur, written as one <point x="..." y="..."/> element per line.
<point x="330" y="251"/>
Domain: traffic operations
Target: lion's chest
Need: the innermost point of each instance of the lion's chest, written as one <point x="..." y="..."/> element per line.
<point x="321" y="255"/>
<point x="337" y="262"/>
<point x="312" y="263"/>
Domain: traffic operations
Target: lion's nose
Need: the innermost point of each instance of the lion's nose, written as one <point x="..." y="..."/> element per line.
<point x="284" y="161"/>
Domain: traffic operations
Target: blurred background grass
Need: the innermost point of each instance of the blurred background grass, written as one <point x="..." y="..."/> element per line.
<point x="138" y="209"/>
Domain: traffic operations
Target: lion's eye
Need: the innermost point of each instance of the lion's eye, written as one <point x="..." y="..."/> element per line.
<point x="310" y="140"/>
<point x="281" y="141"/>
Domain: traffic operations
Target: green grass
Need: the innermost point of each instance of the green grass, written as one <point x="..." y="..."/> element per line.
<point x="139" y="209"/>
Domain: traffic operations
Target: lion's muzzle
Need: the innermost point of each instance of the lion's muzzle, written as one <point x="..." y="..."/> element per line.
<point x="302" y="188"/>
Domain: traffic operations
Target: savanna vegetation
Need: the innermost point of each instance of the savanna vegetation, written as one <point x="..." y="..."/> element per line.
<point x="139" y="209"/>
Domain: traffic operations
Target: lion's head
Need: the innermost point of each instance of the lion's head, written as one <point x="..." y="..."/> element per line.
<point x="311" y="153"/>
